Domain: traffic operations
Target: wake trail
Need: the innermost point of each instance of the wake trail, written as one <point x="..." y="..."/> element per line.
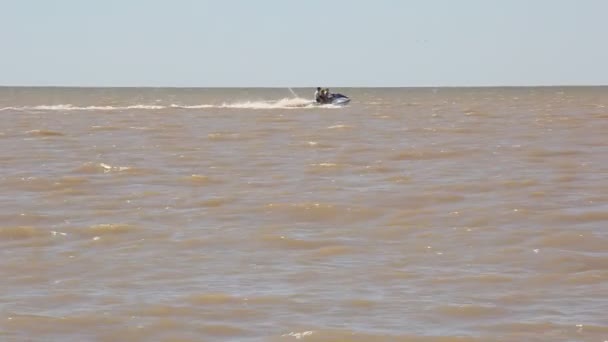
<point x="285" y="103"/>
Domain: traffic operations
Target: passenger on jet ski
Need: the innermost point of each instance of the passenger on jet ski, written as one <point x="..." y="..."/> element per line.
<point x="326" y="95"/>
<point x="318" y="95"/>
<point x="322" y="95"/>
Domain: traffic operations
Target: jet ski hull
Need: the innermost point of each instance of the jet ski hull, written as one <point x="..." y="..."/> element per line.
<point x="340" y="101"/>
<point x="337" y="100"/>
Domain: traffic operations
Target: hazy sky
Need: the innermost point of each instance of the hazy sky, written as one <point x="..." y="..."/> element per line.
<point x="303" y="42"/>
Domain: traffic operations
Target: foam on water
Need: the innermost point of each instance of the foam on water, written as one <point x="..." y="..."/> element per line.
<point x="285" y="103"/>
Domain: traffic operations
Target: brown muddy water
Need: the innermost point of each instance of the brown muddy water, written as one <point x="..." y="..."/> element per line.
<point x="251" y="215"/>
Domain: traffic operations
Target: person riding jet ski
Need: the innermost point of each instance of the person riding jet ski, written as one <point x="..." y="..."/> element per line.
<point x="322" y="95"/>
<point x="326" y="95"/>
<point x="318" y="95"/>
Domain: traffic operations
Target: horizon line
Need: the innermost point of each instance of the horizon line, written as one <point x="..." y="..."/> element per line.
<point x="303" y="86"/>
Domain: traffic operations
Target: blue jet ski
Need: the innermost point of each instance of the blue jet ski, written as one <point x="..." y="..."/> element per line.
<point x="335" y="99"/>
<point x="338" y="99"/>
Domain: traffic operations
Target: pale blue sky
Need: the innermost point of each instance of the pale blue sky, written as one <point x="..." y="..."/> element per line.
<point x="303" y="43"/>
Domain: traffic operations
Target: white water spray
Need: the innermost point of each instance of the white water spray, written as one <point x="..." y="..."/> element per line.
<point x="285" y="103"/>
<point x="293" y="93"/>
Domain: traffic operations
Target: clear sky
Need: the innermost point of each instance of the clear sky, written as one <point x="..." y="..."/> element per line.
<point x="303" y="42"/>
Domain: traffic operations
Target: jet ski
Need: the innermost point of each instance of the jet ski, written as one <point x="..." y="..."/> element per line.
<point x="335" y="99"/>
<point x="338" y="99"/>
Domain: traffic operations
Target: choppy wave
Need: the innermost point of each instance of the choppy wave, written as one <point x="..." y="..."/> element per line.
<point x="44" y="133"/>
<point x="21" y="232"/>
<point x="285" y="103"/>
